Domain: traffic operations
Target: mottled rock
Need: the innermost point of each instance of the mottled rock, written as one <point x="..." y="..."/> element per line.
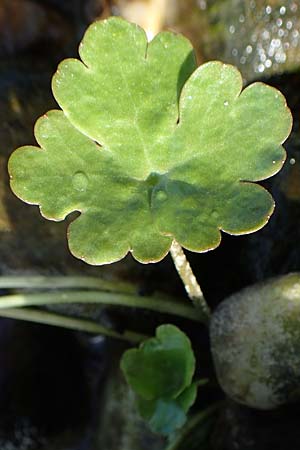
<point x="255" y="341"/>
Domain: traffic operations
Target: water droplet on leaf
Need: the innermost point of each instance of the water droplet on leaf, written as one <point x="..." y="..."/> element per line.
<point x="161" y="195"/>
<point x="214" y="214"/>
<point x="80" y="181"/>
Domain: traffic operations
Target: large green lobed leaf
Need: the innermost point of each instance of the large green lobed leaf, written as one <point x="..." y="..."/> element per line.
<point x="149" y="149"/>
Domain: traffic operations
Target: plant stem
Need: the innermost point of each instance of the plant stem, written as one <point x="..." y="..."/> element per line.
<point x="195" y="421"/>
<point x="150" y="14"/>
<point x="59" y="320"/>
<point x="156" y="17"/>
<point x="154" y="303"/>
<point x="189" y="280"/>
<point x="66" y="282"/>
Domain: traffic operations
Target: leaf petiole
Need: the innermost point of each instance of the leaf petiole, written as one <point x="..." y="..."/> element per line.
<point x="73" y="323"/>
<point x="66" y="282"/>
<point x="189" y="280"/>
<point x="154" y="303"/>
<point x="195" y="422"/>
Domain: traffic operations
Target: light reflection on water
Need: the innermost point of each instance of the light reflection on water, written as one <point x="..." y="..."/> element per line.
<point x="260" y="37"/>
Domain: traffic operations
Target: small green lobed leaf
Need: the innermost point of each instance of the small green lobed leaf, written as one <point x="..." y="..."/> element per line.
<point x="164" y="416"/>
<point x="163" y="366"/>
<point x="149" y="149"/>
<point x="188" y="397"/>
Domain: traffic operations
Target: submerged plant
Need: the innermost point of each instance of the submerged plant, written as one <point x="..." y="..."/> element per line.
<point x="156" y="155"/>
<point x="161" y="372"/>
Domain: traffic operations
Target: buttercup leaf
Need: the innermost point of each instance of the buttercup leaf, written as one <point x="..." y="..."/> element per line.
<point x="149" y="149"/>
<point x="188" y="397"/>
<point x="165" y="416"/>
<point x="163" y="366"/>
<point x="87" y="180"/>
<point x="124" y="94"/>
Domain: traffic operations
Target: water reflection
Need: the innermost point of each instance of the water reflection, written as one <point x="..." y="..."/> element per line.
<point x="260" y="37"/>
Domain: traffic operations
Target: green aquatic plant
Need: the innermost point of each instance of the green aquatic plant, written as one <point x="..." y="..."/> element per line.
<point x="160" y="372"/>
<point x="155" y="154"/>
<point x="150" y="149"/>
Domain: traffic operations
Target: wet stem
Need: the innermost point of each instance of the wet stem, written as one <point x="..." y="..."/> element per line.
<point x="189" y="280"/>
<point x="83" y="290"/>
<point x="90" y="290"/>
